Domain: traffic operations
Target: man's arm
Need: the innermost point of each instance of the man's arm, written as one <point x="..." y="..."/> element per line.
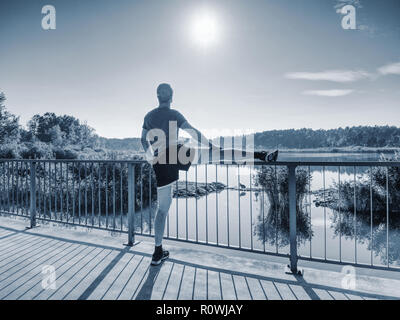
<point x="146" y="145"/>
<point x="197" y="135"/>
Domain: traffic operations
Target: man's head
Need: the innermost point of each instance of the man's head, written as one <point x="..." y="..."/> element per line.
<point x="164" y="93"/>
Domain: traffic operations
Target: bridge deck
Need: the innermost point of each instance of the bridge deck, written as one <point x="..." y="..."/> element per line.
<point x="95" y="265"/>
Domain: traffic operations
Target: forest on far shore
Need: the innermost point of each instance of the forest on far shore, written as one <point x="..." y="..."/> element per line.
<point x="51" y="136"/>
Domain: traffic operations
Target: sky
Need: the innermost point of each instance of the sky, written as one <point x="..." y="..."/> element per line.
<point x="234" y="65"/>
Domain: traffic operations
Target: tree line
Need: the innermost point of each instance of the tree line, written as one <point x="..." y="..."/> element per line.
<point x="360" y="136"/>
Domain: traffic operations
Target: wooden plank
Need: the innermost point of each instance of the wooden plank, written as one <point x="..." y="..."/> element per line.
<point x="336" y="295"/>
<point x="299" y="292"/>
<point x="72" y="268"/>
<point x="255" y="288"/>
<point x="174" y="283"/>
<point x="270" y="290"/>
<point x="186" y="292"/>
<point x="200" y="285"/>
<point x="61" y="270"/>
<point x="80" y="274"/>
<point x="352" y="296"/>
<point x="213" y="287"/>
<point x="241" y="287"/>
<point x="228" y="288"/>
<point x="122" y="279"/>
<point x="323" y="294"/>
<point x="91" y="276"/>
<point x="17" y="275"/>
<point x="111" y="277"/>
<point x="20" y="256"/>
<point x="163" y="273"/>
<point x="26" y="287"/>
<point x="135" y="280"/>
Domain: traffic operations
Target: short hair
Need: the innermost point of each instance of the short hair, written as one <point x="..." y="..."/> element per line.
<point x="164" y="92"/>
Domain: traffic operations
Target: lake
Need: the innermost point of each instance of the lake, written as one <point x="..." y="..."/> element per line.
<point x="235" y="217"/>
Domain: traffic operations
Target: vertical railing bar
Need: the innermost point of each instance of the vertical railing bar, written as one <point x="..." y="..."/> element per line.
<point x="131" y="204"/>
<point x="73" y="192"/>
<point x="8" y="186"/>
<point x="92" y="190"/>
<point x="216" y="204"/>
<point x="38" y="190"/>
<point x="32" y="191"/>
<point x="67" y="186"/>
<point x="12" y="187"/>
<point x="227" y="204"/>
<point x="106" y="195"/>
<point x="292" y="219"/>
<point x="16" y="185"/>
<point x="355" y="214"/>
<point x="277" y="219"/>
<point x="44" y="190"/>
<point x="79" y="192"/>
<point x="55" y="190"/>
<point x="324" y="211"/>
<point x="186" y="203"/>
<point x="150" y="199"/>
<point x="2" y="185"/>
<point x="99" y="192"/>
<point x="197" y="218"/>
<point x="114" y="217"/>
<point x="22" y="192"/>
<point x="310" y="208"/>
<point x="387" y="217"/>
<point x="239" y="217"/>
<point x="121" y="197"/>
<point x="61" y="190"/>
<point x="27" y="189"/>
<point x="141" y="199"/>
<point x="177" y="212"/>
<point x="85" y="173"/>
<point x="206" y="204"/>
<point x="263" y="213"/>
<point x="371" y="216"/>
<point x="251" y="208"/>
<point x="340" y="217"/>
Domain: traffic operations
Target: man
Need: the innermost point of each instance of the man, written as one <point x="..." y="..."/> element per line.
<point x="161" y="127"/>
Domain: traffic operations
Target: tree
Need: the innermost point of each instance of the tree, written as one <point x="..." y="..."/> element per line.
<point x="9" y="124"/>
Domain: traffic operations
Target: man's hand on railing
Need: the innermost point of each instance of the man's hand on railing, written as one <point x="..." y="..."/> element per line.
<point x="149" y="157"/>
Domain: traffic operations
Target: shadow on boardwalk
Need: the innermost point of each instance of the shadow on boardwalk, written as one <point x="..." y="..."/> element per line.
<point x="87" y="270"/>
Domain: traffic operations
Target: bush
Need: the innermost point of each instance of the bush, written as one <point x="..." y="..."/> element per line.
<point x="36" y="150"/>
<point x="65" y="154"/>
<point x="9" y="151"/>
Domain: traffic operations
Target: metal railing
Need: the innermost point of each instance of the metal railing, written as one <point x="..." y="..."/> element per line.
<point x="121" y="196"/>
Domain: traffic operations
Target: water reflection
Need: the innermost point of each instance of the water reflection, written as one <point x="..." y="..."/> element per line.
<point x="273" y="227"/>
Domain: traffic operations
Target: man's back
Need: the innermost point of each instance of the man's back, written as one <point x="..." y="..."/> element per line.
<point x="164" y="119"/>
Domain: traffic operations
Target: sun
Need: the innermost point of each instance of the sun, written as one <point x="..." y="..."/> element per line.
<point x="205" y="30"/>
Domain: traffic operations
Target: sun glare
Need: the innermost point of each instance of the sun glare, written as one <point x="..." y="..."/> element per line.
<point x="205" y="29"/>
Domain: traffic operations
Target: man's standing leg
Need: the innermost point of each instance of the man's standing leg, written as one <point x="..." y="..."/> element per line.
<point x="164" y="196"/>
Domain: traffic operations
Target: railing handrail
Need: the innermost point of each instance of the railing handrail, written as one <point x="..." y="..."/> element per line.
<point x="256" y="163"/>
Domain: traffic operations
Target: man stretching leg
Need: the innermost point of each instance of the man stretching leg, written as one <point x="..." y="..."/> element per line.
<point x="160" y="131"/>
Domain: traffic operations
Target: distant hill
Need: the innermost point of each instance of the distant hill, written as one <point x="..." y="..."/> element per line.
<point x="361" y="136"/>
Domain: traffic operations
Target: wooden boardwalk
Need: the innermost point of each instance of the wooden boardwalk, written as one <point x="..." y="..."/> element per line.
<point x="90" y="265"/>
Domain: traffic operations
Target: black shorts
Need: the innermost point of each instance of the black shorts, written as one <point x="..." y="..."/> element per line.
<point x="168" y="173"/>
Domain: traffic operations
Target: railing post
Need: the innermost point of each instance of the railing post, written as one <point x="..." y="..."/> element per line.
<point x="33" y="194"/>
<point x="293" y="220"/>
<point x="131" y="205"/>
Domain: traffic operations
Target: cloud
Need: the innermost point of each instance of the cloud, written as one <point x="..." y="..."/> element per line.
<point x="329" y="93"/>
<point x="393" y="68"/>
<point x="331" y="75"/>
